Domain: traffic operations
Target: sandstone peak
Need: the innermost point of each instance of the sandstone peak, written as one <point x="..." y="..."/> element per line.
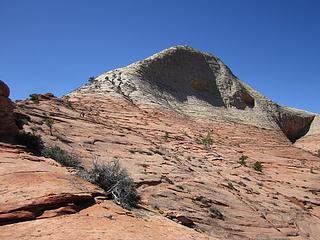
<point x="197" y="84"/>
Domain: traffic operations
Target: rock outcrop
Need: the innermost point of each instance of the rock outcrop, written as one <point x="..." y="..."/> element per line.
<point x="197" y="84"/>
<point x="8" y="127"/>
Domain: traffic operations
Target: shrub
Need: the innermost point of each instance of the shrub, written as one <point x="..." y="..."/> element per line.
<point x="230" y="185"/>
<point x="49" y="122"/>
<point x="207" y="141"/>
<point x="242" y="160"/>
<point x="62" y="157"/>
<point x="257" y="166"/>
<point x="31" y="141"/>
<point x="20" y="122"/>
<point x="91" y="79"/>
<point x="215" y="213"/>
<point x="115" y="180"/>
<point x="166" y="136"/>
<point x="34" y="97"/>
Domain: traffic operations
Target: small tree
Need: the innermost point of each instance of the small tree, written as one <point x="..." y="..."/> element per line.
<point x="49" y="122"/>
<point x="34" y="97"/>
<point x="207" y="141"/>
<point x="242" y="160"/>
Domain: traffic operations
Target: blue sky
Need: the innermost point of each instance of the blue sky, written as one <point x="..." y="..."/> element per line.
<point x="54" y="46"/>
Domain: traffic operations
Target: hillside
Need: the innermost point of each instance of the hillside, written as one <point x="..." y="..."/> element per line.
<point x="179" y="122"/>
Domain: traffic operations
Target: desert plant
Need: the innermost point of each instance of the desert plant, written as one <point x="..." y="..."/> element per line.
<point x="34" y="97"/>
<point x="62" y="157"/>
<point x="49" y="122"/>
<point x="31" y="141"/>
<point x="257" y="166"/>
<point x="20" y="122"/>
<point x="242" y="160"/>
<point x="91" y="79"/>
<point x="166" y="136"/>
<point x="230" y="185"/>
<point x="215" y="213"/>
<point x="207" y="141"/>
<point x="115" y="180"/>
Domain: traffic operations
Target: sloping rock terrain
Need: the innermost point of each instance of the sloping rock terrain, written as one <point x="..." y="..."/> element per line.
<point x="190" y="134"/>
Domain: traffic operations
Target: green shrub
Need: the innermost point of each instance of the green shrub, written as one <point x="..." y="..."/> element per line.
<point x="257" y="166"/>
<point x="31" y="141"/>
<point x="242" y="160"/>
<point x="207" y="141"/>
<point x="115" y="180"/>
<point x="49" y="122"/>
<point x="62" y="157"/>
<point x="91" y="79"/>
<point x="34" y="97"/>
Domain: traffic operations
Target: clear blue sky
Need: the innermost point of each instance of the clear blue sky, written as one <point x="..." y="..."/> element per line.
<point x="54" y="46"/>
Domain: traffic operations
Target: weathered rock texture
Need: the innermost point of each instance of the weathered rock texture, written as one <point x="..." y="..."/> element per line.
<point x="156" y="117"/>
<point x="197" y="84"/>
<point x="41" y="200"/>
<point x="8" y="127"/>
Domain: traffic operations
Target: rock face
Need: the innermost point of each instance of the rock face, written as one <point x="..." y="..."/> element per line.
<point x="4" y="89"/>
<point x="8" y="128"/>
<point x="311" y="140"/>
<point x="197" y="84"/>
<point x="42" y="200"/>
<point x="179" y="122"/>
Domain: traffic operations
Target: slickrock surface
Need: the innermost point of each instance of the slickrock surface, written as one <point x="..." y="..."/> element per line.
<point x="42" y="200"/>
<point x="8" y="127"/>
<point x="178" y="121"/>
<point x="34" y="187"/>
<point x="179" y="177"/>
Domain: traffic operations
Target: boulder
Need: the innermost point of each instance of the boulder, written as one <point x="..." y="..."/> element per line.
<point x="4" y="89"/>
<point x="8" y="127"/>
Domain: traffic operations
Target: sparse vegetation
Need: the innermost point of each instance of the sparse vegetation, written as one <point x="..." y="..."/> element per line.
<point x="20" y="121"/>
<point x="69" y="105"/>
<point x="207" y="141"/>
<point x="257" y="166"/>
<point x="49" y="122"/>
<point x="242" y="160"/>
<point x="31" y="141"/>
<point x="91" y="79"/>
<point x="34" y="97"/>
<point x="62" y="157"/>
<point x="115" y="180"/>
<point x="215" y="212"/>
<point x="230" y="185"/>
<point x="166" y="136"/>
